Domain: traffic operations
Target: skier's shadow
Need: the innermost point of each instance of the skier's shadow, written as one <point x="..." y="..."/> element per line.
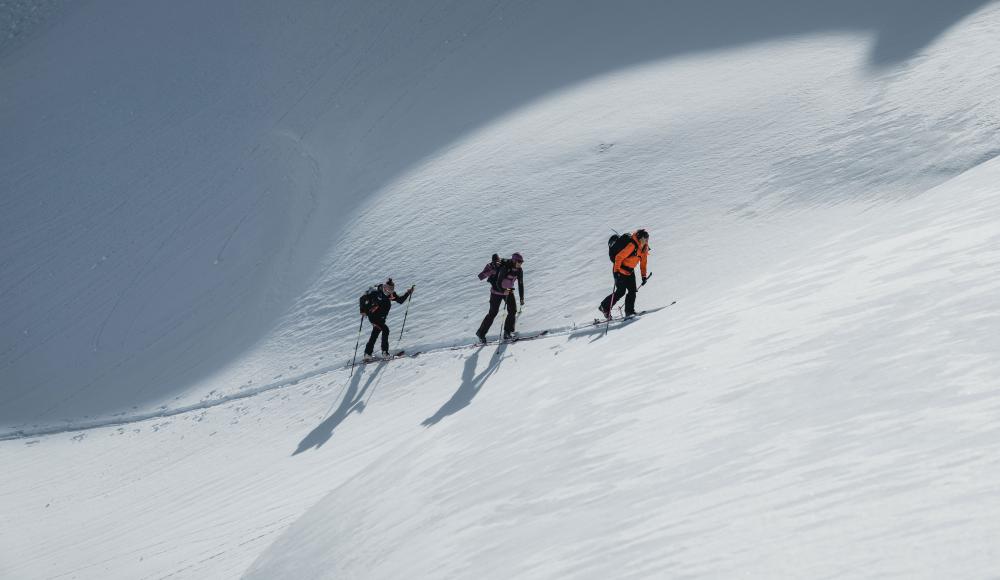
<point x="470" y="387"/>
<point x="353" y="401"/>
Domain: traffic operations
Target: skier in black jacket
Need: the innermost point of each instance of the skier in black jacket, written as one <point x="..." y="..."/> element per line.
<point x="375" y="304"/>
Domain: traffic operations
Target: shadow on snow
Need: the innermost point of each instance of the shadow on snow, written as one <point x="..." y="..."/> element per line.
<point x="353" y="401"/>
<point x="471" y="385"/>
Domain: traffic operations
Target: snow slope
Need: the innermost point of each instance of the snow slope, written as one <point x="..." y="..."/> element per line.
<point x="819" y="401"/>
<point x="188" y="188"/>
<point x="832" y="416"/>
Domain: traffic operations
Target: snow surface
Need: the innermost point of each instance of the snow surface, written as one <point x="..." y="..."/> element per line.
<point x="195" y="195"/>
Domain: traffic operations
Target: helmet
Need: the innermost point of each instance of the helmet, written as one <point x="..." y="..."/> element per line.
<point x="517" y="257"/>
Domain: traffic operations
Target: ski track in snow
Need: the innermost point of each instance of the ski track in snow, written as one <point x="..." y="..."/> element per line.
<point x="422" y="350"/>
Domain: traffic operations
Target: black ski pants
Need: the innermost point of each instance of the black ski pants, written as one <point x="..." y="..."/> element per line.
<point x="624" y="283"/>
<point x="378" y="327"/>
<point x="495" y="300"/>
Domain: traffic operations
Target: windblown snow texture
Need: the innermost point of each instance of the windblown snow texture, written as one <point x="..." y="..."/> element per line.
<point x="195" y="194"/>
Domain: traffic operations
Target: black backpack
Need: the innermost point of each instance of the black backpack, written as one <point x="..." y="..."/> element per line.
<point x="368" y="299"/>
<point x="617" y="243"/>
<point x="493" y="269"/>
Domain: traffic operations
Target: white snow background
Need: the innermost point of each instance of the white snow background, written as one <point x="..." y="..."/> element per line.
<point x="193" y="195"/>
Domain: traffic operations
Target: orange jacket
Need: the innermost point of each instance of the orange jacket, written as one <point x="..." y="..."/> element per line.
<point x="634" y="253"/>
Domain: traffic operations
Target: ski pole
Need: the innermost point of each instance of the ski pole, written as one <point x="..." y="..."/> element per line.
<point x="503" y="318"/>
<point x="611" y="303"/>
<point x="360" y="325"/>
<point x="405" y="314"/>
<point x="503" y="322"/>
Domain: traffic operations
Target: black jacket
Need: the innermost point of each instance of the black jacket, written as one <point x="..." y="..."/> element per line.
<point x="375" y="303"/>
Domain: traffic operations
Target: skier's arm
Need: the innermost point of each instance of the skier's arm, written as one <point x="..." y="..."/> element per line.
<point x="405" y="296"/>
<point x="520" y="284"/>
<point x="642" y="262"/>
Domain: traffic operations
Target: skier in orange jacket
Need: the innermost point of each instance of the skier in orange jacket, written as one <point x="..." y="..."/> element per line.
<point x="626" y="252"/>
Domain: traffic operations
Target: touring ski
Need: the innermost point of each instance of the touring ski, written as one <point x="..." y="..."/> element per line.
<point x="394" y="356"/>
<point x="599" y="321"/>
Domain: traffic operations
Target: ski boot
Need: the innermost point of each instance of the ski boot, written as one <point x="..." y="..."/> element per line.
<point x="481" y="338"/>
<point x="369" y="358"/>
<point x="605" y="313"/>
<point x="386" y="355"/>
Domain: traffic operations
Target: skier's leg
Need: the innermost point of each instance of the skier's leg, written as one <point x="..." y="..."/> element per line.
<point x="370" y="345"/>
<point x="610" y="300"/>
<point x="488" y="321"/>
<point x="630" y="299"/>
<point x="385" y="336"/>
<point x="621" y="286"/>
<point x="605" y="304"/>
<point x="511" y="314"/>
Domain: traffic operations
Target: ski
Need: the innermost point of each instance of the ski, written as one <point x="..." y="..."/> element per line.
<point x="394" y="356"/>
<point x="531" y="336"/>
<point x="599" y="321"/>
<point x="535" y="335"/>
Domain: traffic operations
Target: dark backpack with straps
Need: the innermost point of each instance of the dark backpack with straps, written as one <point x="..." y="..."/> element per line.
<point x="491" y="272"/>
<point x="617" y="243"/>
<point x="368" y="299"/>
